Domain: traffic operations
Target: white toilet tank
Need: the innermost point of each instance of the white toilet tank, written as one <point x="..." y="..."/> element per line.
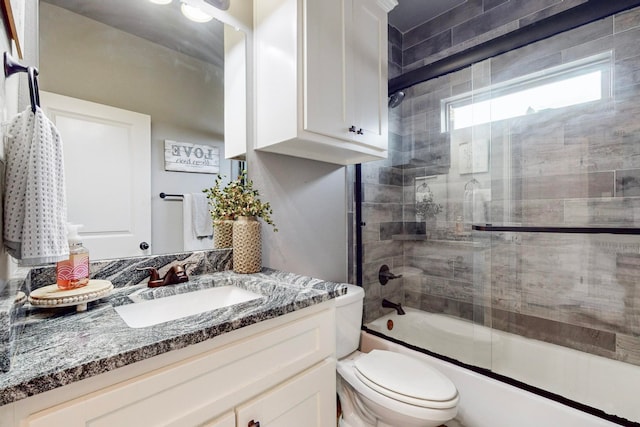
<point x="348" y="320"/>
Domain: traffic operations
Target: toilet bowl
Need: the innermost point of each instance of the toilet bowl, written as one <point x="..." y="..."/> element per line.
<point x="383" y="388"/>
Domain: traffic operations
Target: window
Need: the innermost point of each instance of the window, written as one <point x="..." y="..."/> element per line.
<point x="570" y="84"/>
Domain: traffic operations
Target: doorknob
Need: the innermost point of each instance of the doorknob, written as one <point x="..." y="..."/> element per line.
<point x="144" y="246"/>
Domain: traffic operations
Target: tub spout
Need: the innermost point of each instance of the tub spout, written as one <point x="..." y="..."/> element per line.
<point x="397" y="307"/>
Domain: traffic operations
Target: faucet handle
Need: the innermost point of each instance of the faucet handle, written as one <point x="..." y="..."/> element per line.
<point x="180" y="273"/>
<point x="153" y="273"/>
<point x="188" y="263"/>
<point x="154" y="276"/>
<point x="384" y="275"/>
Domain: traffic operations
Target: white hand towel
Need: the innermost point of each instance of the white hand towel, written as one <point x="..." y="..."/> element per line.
<point x="191" y="242"/>
<point x="35" y="205"/>
<point x="202" y="223"/>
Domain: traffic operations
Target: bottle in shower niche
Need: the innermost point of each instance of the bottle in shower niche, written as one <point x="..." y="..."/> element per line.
<point x="74" y="272"/>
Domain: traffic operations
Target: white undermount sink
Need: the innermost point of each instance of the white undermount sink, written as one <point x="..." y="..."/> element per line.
<point x="155" y="311"/>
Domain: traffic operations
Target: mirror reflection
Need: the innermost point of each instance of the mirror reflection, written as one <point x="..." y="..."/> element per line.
<point x="149" y="59"/>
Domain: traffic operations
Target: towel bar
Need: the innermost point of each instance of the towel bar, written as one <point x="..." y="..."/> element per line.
<point x="164" y="195"/>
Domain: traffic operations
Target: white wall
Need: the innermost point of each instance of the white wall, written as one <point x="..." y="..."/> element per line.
<point x="309" y="204"/>
<point x="14" y="97"/>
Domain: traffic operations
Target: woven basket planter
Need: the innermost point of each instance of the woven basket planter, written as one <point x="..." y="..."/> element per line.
<point x="247" y="245"/>
<point x="222" y="233"/>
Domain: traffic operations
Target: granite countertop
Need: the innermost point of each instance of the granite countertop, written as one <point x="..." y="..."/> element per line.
<point x="58" y="347"/>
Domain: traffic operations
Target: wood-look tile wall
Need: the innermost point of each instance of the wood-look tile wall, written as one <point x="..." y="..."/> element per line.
<point x="578" y="166"/>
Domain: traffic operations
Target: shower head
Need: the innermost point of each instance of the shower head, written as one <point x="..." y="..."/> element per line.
<point x="396" y="99"/>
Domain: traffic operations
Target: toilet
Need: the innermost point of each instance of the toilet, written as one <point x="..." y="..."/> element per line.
<point x="383" y="388"/>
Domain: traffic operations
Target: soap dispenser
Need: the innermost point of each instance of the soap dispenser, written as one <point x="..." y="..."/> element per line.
<point x="73" y="272"/>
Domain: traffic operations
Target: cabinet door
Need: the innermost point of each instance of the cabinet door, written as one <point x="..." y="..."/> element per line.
<point x="369" y="57"/>
<point x="305" y="400"/>
<point x="324" y="69"/>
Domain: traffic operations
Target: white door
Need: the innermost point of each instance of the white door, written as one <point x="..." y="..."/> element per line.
<point x="107" y="173"/>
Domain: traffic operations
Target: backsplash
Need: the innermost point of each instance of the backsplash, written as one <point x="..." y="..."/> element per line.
<point x="125" y="271"/>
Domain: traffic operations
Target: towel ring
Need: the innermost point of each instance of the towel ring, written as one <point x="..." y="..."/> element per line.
<point x="11" y="66"/>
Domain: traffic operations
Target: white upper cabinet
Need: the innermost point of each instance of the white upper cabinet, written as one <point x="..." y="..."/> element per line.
<point x="321" y="78"/>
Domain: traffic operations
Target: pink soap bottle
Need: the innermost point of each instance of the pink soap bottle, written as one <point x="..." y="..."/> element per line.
<point x="73" y="272"/>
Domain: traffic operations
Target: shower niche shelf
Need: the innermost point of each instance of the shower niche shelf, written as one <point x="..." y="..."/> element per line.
<point x="455" y="240"/>
<point x="417" y="237"/>
<point x="555" y="229"/>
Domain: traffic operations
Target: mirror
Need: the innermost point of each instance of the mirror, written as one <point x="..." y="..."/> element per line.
<point x="150" y="59"/>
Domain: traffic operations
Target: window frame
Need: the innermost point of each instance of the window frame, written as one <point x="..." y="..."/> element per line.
<point x="602" y="62"/>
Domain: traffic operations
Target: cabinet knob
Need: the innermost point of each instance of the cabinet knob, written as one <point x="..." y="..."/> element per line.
<point x="360" y="132"/>
<point x="352" y="129"/>
<point x="253" y="424"/>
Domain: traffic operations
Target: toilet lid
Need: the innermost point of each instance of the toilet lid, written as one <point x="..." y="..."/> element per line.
<point x="406" y="379"/>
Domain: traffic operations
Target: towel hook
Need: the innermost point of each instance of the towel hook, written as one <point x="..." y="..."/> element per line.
<point x="11" y="66"/>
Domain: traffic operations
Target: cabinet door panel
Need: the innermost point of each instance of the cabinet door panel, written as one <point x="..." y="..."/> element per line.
<point x="305" y="400"/>
<point x="325" y="101"/>
<point x="370" y="73"/>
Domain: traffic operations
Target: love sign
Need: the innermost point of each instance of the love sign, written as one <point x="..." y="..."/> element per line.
<point x="187" y="157"/>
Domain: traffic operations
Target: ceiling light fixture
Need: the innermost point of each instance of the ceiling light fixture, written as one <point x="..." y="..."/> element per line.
<point x="161" y="1"/>
<point x="194" y="13"/>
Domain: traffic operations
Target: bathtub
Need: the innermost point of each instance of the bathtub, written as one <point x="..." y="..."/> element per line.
<point x="467" y="342"/>
<point x="595" y="381"/>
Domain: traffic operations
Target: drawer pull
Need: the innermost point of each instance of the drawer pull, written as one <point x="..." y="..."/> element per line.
<point x="352" y="129"/>
<point x="253" y="424"/>
<point x="360" y="132"/>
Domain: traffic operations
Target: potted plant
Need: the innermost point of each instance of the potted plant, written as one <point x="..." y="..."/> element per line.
<point x="222" y="213"/>
<point x="239" y="203"/>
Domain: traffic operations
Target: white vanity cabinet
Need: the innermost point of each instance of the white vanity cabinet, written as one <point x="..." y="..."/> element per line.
<point x="321" y="78"/>
<point x="283" y="372"/>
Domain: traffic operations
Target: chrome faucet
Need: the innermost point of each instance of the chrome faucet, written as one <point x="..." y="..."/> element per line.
<point x="176" y="274"/>
<point x="397" y="307"/>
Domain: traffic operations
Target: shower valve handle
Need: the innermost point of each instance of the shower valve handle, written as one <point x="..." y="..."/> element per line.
<point x="384" y="275"/>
